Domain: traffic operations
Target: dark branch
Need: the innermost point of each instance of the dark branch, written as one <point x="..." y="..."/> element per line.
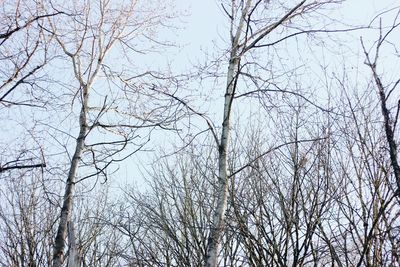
<point x="32" y="166"/>
<point x="7" y="34"/>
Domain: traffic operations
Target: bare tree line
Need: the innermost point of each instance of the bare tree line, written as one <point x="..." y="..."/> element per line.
<point x="280" y="180"/>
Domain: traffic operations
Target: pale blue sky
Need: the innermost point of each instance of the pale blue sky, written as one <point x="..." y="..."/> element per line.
<point x="204" y="31"/>
<point x="205" y="28"/>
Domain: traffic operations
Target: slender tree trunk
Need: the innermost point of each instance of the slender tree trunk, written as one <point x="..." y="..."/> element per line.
<point x="388" y="124"/>
<point x="66" y="211"/>
<point x="217" y="228"/>
<point x="389" y="131"/>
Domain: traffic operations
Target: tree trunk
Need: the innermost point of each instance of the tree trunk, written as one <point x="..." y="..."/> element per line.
<point x="217" y="228"/>
<point x="389" y="131"/>
<point x="66" y="211"/>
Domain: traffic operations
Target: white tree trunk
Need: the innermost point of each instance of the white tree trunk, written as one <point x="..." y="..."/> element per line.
<point x="73" y="255"/>
<point x="66" y="210"/>
<point x="217" y="228"/>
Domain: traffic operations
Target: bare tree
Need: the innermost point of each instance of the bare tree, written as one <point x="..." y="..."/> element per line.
<point x="296" y="183"/>
<point x="24" y="53"/>
<point x="247" y="33"/>
<point x="168" y="224"/>
<point x="23" y="45"/>
<point x="322" y="197"/>
<point x="26" y="220"/>
<point x="363" y="217"/>
<point x="276" y="204"/>
<point x="86" y="38"/>
<point x="385" y="91"/>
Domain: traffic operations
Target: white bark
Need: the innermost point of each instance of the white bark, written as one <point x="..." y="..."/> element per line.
<point x="73" y="256"/>
<point x="85" y="86"/>
<point x="237" y="51"/>
<point x="66" y="210"/>
<point x="217" y="228"/>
